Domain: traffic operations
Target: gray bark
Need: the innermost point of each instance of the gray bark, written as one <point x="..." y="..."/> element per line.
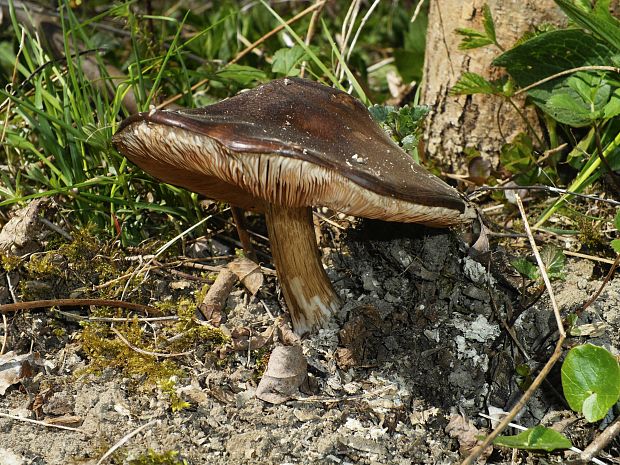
<point x="481" y="122"/>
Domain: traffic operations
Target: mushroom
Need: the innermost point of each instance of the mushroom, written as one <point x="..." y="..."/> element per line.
<point x="280" y="149"/>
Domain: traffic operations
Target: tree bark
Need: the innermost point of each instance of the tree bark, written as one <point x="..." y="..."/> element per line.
<point x="482" y="122"/>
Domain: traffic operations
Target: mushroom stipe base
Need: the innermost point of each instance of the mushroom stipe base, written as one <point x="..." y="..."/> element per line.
<point x="308" y="292"/>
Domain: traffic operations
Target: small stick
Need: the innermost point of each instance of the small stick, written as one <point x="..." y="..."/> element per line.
<point x="6" y="308"/>
<point x="215" y="300"/>
<point x="10" y="286"/>
<point x="550" y="363"/>
<point x="146" y="352"/>
<point x="601" y="441"/>
<point x="76" y="317"/>
<point x="555" y="190"/>
<point x="56" y="228"/>
<point x="523" y="428"/>
<point x="242" y="231"/>
<point x="42" y="423"/>
<point x="322" y="217"/>
<point x="5" y="326"/>
<point x="124" y="439"/>
<point x="565" y="72"/>
<point x="589" y="257"/>
<point x="600" y="289"/>
<point x="418" y="8"/>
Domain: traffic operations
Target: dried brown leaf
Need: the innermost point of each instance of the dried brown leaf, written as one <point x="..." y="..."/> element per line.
<point x="248" y="272"/>
<point x="14" y="368"/>
<point x="286" y="372"/>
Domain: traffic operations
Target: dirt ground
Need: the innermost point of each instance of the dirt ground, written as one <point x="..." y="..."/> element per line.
<point x="419" y="346"/>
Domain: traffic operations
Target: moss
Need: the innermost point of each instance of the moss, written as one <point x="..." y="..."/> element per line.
<point x="80" y="263"/>
<point x="168" y="387"/>
<point x="151" y="457"/>
<point x="590" y="234"/>
<point x="262" y="359"/>
<point x="192" y="332"/>
<point x="10" y="262"/>
<point x="106" y="350"/>
<point x="46" y="265"/>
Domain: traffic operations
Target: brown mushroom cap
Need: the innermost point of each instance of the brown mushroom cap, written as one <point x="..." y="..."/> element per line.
<point x="291" y="142"/>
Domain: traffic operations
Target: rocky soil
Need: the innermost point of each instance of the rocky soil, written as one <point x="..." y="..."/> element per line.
<point x="418" y="351"/>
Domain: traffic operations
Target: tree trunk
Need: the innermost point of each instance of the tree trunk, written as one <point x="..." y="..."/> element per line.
<point x="482" y="122"/>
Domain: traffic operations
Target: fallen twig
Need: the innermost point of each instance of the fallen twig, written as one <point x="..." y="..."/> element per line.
<point x="600" y="442"/>
<point x="311" y="29"/>
<point x="523" y="428"/>
<point x="124" y="439"/>
<point x="146" y="352"/>
<point x="42" y="423"/>
<point x="6" y="308"/>
<point x="215" y="300"/>
<point x="600" y="289"/>
<point x="76" y="317"/>
<point x="242" y="231"/>
<point x="589" y="257"/>
<point x="554" y="190"/>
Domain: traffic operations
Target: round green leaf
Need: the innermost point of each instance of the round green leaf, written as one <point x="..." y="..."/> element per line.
<point x="591" y="381"/>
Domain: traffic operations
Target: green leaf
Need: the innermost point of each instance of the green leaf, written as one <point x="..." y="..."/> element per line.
<point x="576" y="99"/>
<point x="537" y="438"/>
<point x="380" y="113"/>
<point x="526" y="268"/>
<point x="612" y="108"/>
<point x="591" y="381"/>
<point x="472" y="83"/>
<point x="472" y="39"/>
<point x="489" y="25"/>
<point x="615" y="244"/>
<point x="403" y="124"/>
<point x="598" y="20"/>
<point x="244" y="75"/>
<point x="554" y="260"/>
<point x="286" y="61"/>
<point x="516" y="157"/>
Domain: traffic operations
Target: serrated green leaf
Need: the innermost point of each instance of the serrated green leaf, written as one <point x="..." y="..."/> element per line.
<point x="403" y="124"/>
<point x="576" y="99"/>
<point x="286" y="61"/>
<point x="537" y="438"/>
<point x="591" y="381"/>
<point x="526" y="268"/>
<point x="598" y="20"/>
<point x="554" y="260"/>
<point x="488" y="24"/>
<point x="380" y="112"/>
<point x="472" y="39"/>
<point x="472" y="83"/>
<point x="615" y="244"/>
<point x="567" y="109"/>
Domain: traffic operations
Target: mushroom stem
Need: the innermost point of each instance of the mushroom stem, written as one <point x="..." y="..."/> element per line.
<point x="309" y="294"/>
